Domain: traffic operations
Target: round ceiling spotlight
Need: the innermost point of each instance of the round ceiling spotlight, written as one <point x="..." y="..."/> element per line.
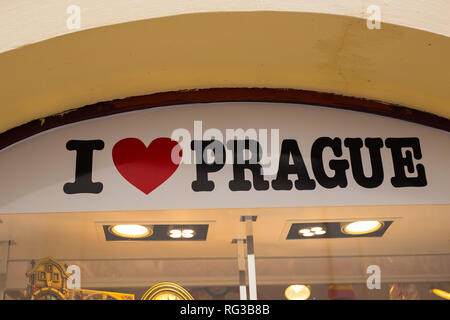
<point x="362" y="227"/>
<point x="310" y="232"/>
<point x="131" y="231"/>
<point x="181" y="233"/>
<point x="297" y="292"/>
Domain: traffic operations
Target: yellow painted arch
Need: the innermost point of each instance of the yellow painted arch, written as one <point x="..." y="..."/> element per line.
<point x="310" y="51"/>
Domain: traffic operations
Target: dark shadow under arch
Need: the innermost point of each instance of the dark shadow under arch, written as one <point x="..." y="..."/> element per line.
<point x="101" y="109"/>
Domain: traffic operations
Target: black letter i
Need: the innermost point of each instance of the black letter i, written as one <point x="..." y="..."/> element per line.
<point x="83" y="169"/>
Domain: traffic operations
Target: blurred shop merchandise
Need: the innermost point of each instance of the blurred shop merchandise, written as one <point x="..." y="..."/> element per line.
<point x="47" y="280"/>
<point x="404" y="291"/>
<point x="341" y="292"/>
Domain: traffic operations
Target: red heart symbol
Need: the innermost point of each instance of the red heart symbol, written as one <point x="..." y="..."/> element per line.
<point x="146" y="168"/>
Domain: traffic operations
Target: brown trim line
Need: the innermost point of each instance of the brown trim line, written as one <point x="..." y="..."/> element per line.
<point x="101" y="109"/>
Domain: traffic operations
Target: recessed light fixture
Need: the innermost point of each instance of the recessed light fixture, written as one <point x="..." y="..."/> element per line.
<point x="155" y="232"/>
<point x="334" y="229"/>
<point x="361" y="227"/>
<point x="310" y="232"/>
<point x="297" y="292"/>
<point x="131" y="230"/>
<point x="441" y="293"/>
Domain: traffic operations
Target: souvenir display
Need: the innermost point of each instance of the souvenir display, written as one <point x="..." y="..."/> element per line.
<point x="47" y="280"/>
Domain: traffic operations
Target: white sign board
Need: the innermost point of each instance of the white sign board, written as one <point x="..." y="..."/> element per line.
<point x="302" y="156"/>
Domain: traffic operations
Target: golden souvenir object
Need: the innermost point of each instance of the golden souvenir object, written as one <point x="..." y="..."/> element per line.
<point x="47" y="280"/>
<point x="83" y="294"/>
<point x="48" y="294"/>
<point x="167" y="291"/>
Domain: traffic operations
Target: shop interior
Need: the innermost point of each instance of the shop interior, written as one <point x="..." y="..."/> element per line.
<point x="300" y="253"/>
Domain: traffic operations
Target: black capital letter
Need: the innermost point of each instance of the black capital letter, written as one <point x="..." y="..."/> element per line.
<point x="374" y="145"/>
<point x="400" y="179"/>
<point x="282" y="182"/>
<point x="201" y="147"/>
<point x="83" y="169"/>
<point x="239" y="165"/>
<point x="339" y="166"/>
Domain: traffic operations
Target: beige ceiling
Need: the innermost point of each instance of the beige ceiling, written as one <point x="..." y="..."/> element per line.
<point x="418" y="229"/>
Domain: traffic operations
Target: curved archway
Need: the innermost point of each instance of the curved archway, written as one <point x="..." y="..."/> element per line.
<point x="213" y="50"/>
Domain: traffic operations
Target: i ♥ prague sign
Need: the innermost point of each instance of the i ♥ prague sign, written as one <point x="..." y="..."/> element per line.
<point x="226" y="155"/>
